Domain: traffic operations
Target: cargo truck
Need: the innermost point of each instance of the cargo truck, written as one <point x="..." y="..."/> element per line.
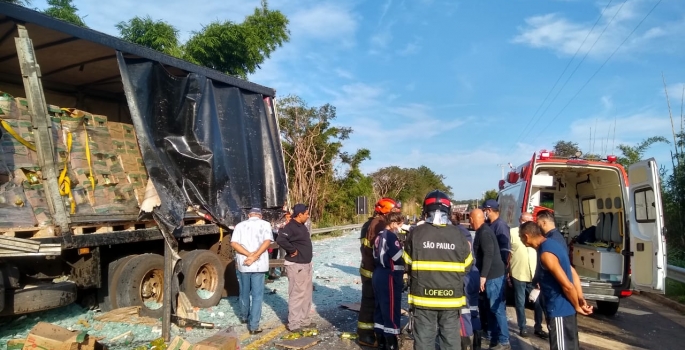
<point x="93" y="129"/>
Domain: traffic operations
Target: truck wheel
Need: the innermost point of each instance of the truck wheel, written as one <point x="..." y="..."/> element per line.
<point x="39" y="298"/>
<point x="140" y="282"/>
<point x="113" y="281"/>
<point x="203" y="278"/>
<point x="607" y="308"/>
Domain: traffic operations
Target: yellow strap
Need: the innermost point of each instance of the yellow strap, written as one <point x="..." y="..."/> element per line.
<point x="64" y="180"/>
<point x="436" y="302"/>
<point x="365" y="273"/>
<point x="221" y="234"/>
<point x="90" y="167"/>
<point x="8" y="128"/>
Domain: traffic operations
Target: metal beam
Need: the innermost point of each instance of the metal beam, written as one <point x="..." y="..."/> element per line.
<point x="40" y="47"/>
<point x="62" y="69"/>
<point x="30" y="71"/>
<point x="102" y="81"/>
<point x="676" y="273"/>
<point x="6" y="35"/>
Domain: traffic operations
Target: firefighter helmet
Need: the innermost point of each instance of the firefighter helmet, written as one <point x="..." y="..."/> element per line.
<point x="437" y="200"/>
<point x="386" y="205"/>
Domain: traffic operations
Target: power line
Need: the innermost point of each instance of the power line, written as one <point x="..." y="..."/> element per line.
<point x="578" y="66"/>
<point x="562" y="74"/>
<point x="598" y="69"/>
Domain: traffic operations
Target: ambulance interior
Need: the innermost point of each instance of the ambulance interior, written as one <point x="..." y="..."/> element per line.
<point x="589" y="210"/>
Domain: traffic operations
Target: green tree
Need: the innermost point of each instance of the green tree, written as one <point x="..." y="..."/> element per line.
<point x="565" y="149"/>
<point x="239" y="49"/>
<point x="634" y="154"/>
<point x="341" y="195"/>
<point x="64" y="10"/>
<point x="157" y="35"/>
<point x="490" y="194"/>
<point x="311" y="144"/>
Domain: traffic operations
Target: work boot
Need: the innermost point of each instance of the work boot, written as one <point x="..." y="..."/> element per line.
<point x="381" y="342"/>
<point x="367" y="339"/>
<point x="477" y="340"/>
<point x="467" y="343"/>
<point x="391" y="342"/>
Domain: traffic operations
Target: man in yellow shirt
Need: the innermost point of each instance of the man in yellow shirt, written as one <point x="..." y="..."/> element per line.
<point x="522" y="270"/>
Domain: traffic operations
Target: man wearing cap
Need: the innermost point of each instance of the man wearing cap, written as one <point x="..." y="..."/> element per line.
<point x="250" y="240"/>
<point x="294" y="238"/>
<point x="499" y="227"/>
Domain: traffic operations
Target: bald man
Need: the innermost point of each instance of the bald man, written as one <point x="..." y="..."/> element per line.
<point x="492" y="275"/>
<point x="522" y="270"/>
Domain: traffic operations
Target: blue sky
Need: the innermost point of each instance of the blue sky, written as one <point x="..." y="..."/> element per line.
<point x="453" y="84"/>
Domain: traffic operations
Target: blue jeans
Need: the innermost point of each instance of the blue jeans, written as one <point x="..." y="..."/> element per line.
<point x="521" y="291"/>
<point x="497" y="318"/>
<point x="251" y="284"/>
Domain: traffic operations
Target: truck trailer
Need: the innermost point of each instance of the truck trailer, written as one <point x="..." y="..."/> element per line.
<point x="95" y="128"/>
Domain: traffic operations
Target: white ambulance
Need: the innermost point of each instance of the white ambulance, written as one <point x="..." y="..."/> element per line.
<point x="625" y="209"/>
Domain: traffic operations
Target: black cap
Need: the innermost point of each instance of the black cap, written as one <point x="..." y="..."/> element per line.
<point x="299" y="209"/>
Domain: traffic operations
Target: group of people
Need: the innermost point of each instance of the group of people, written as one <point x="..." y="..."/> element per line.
<point x="457" y="282"/>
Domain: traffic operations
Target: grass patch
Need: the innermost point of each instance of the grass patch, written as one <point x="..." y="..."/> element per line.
<point x="325" y="235"/>
<point x="675" y="290"/>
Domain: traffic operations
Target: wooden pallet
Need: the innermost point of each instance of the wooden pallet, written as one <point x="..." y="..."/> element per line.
<point x="112" y="227"/>
<point x="28" y="232"/>
<point x="195" y="222"/>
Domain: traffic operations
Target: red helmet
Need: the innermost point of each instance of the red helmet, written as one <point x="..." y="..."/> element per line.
<point x="386" y="205"/>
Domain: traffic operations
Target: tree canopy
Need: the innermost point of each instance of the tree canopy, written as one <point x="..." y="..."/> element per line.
<point x="64" y="10"/>
<point x="157" y="35"/>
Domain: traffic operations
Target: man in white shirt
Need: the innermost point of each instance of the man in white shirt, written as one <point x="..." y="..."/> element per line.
<point x="522" y="270"/>
<point x="250" y="240"/>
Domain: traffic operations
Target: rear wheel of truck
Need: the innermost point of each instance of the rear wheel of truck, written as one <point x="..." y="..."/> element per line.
<point x="203" y="278"/>
<point x="116" y="267"/>
<point x="607" y="308"/>
<point x="141" y="283"/>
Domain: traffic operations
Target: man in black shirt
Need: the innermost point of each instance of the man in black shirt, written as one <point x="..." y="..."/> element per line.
<point x="491" y="267"/>
<point x="294" y="238"/>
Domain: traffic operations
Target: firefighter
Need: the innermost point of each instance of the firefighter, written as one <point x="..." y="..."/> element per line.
<point x="388" y="282"/>
<point x="439" y="256"/>
<point x="369" y="231"/>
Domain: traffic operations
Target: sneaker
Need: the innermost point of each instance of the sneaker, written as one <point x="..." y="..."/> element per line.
<point x="310" y="325"/>
<point x="243" y="321"/>
<point x="293" y="330"/>
<point x="542" y="334"/>
<point x="523" y="333"/>
<point x="256" y="331"/>
<point x="501" y="347"/>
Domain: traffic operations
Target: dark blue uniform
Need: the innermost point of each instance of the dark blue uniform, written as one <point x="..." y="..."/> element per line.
<point x="387" y="283"/>
<point x="470" y="319"/>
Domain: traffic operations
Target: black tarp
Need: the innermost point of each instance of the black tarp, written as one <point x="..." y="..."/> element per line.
<point x="204" y="143"/>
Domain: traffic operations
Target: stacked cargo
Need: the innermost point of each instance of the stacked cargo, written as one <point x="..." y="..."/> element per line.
<point x="100" y="167"/>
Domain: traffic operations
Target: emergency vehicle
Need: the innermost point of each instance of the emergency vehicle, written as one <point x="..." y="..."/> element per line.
<point x="629" y="247"/>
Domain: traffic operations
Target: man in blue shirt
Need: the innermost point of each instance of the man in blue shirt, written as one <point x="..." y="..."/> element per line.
<point x="562" y="300"/>
<point x="499" y="227"/>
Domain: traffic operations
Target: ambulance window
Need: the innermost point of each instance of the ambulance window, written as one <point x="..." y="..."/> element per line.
<point x="589" y="206"/>
<point x="645" y="210"/>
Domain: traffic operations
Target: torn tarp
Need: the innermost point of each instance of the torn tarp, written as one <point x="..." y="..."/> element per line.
<point x="204" y="143"/>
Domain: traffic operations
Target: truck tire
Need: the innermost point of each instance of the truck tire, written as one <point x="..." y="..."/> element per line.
<point x="607" y="308"/>
<point x="203" y="278"/>
<point x="140" y="282"/>
<point x="38" y="298"/>
<point x="113" y="281"/>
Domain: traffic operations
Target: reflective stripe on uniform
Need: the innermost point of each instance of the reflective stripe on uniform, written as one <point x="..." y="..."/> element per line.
<point x="397" y="255"/>
<point x="406" y="258"/>
<point x="367" y="243"/>
<point x="365" y="272"/>
<point x="363" y="325"/>
<point x="437" y="302"/>
<point x="418" y="265"/>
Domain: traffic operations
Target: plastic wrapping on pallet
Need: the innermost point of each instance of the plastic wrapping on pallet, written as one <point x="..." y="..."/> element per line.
<point x="204" y="143"/>
<point x="8" y="106"/>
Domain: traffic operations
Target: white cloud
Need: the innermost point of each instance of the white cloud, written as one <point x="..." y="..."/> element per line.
<point x="382" y="39"/>
<point x="563" y="35"/>
<point x="326" y="21"/>
<point x="384" y="11"/>
<point x="410" y="49"/>
<point x="344" y="73"/>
